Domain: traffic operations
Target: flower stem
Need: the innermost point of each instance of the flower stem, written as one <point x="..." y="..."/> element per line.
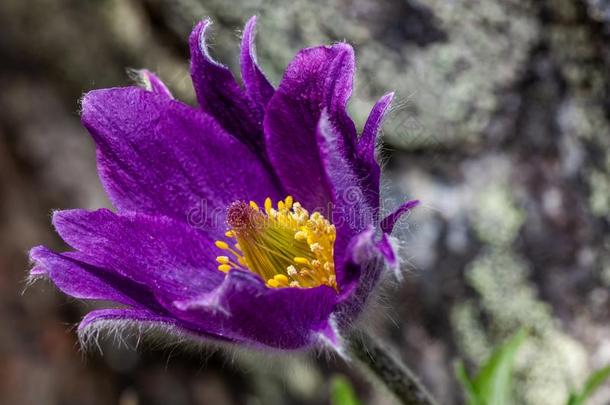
<point x="384" y="364"/>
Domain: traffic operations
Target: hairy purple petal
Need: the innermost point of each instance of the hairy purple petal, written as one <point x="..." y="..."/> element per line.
<point x="94" y="318"/>
<point x="81" y="280"/>
<point x="246" y="310"/>
<point x="160" y="156"/>
<point x="149" y="81"/>
<point x="363" y="268"/>
<point x="141" y="319"/>
<point x="316" y="79"/>
<point x="257" y="86"/>
<point x="387" y="250"/>
<point x="369" y="168"/>
<point x="351" y="213"/>
<point x="173" y="260"/>
<point x="387" y="224"/>
<point x="219" y="94"/>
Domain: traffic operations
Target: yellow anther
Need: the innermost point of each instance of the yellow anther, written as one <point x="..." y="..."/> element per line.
<point x="268" y="205"/>
<point x="301" y="260"/>
<point x="280" y="205"/>
<point x="221" y="245"/>
<point x="224" y="268"/>
<point x="300" y="235"/>
<point x="254" y="205"/>
<point x="273" y="283"/>
<point x="280" y="278"/>
<point x="222" y="259"/>
<point x="289" y="202"/>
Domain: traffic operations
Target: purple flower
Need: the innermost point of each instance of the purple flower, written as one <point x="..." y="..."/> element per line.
<point x="298" y="247"/>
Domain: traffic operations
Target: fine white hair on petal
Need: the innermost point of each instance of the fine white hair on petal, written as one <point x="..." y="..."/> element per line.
<point x="163" y="335"/>
<point x="326" y="342"/>
<point x="123" y="331"/>
<point x="31" y="279"/>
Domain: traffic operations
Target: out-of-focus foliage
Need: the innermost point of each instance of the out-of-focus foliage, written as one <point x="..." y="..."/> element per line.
<point x="342" y="392"/>
<point x="591" y="385"/>
<point x="492" y="384"/>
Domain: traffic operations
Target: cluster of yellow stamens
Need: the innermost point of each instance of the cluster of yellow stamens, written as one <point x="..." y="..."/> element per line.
<point x="286" y="245"/>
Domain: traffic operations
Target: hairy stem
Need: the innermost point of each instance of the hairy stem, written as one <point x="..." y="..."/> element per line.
<point x="388" y="368"/>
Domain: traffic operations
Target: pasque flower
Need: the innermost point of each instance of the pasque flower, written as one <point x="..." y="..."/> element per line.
<point x="288" y="246"/>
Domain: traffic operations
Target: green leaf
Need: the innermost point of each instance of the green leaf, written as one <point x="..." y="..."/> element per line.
<point x="341" y="392"/>
<point x="492" y="385"/>
<point x="472" y="397"/>
<point x="594" y="381"/>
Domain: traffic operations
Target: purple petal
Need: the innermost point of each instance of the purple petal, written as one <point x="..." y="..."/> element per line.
<point x="173" y="260"/>
<point x="387" y="250"/>
<point x="351" y="213"/>
<point x="256" y="83"/>
<point x="116" y="319"/>
<point x="81" y="280"/>
<point x="221" y="96"/>
<point x="369" y="168"/>
<point x="160" y="156"/>
<point x="387" y="224"/>
<point x="244" y="309"/>
<point x="317" y="78"/>
<point x="94" y="318"/>
<point x="360" y="275"/>
<point x="149" y="81"/>
<point x="331" y="337"/>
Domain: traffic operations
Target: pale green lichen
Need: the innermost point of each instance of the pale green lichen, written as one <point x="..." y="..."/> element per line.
<point x="495" y="218"/>
<point x="474" y="343"/>
<point x="599" y="199"/>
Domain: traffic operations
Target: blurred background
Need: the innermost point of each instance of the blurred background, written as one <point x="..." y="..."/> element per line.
<point x="501" y="127"/>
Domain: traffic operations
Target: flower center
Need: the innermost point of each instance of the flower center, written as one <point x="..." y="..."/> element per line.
<point x="286" y="245"/>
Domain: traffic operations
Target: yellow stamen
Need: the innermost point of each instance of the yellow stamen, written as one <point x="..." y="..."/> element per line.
<point x="221" y="245"/>
<point x="268" y="205"/>
<point x="222" y="259"/>
<point x="301" y="260"/>
<point x="286" y="246"/>
<point x="224" y="268"/>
